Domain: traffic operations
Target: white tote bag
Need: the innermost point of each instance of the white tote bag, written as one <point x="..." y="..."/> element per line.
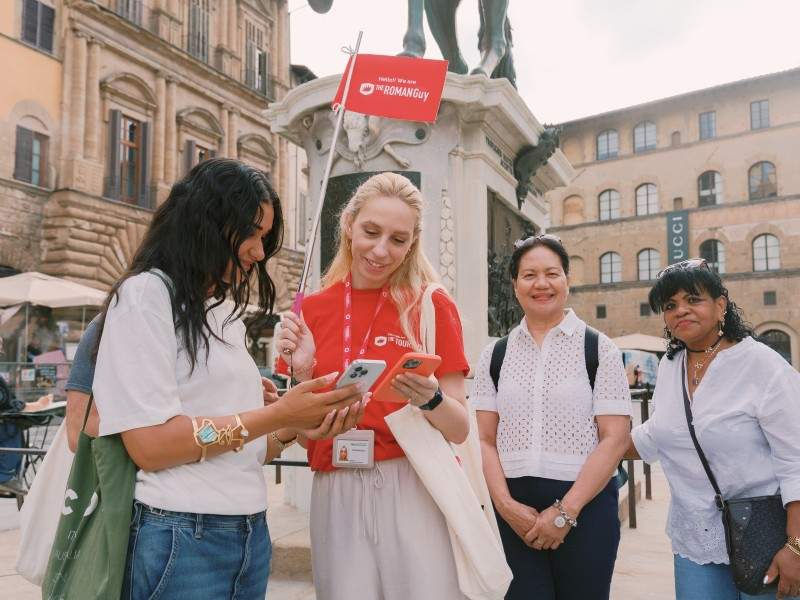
<point x="42" y="508"/>
<point x="454" y="478"/>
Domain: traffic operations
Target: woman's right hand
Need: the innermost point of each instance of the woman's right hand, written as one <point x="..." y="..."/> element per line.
<point x="520" y="517"/>
<point x="305" y="408"/>
<point x="296" y="343"/>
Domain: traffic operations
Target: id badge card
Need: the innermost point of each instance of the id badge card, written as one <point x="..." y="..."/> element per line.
<point x="354" y="449"/>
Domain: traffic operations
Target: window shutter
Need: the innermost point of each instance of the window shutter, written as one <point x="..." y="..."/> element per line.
<point x="23" y="167"/>
<point x="189" y="150"/>
<point x="144" y="167"/>
<point x="44" y="177"/>
<point x="46" y="19"/>
<point x="30" y="21"/>
<point x="112" y="181"/>
<point x="262" y="71"/>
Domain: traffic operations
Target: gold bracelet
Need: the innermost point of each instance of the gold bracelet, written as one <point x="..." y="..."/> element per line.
<point x="282" y="445"/>
<point x="242" y="432"/>
<point x="207" y="434"/>
<point x="794" y="542"/>
<point x="792" y="548"/>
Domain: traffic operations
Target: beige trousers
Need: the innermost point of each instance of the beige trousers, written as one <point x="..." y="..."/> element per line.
<point x="376" y="534"/>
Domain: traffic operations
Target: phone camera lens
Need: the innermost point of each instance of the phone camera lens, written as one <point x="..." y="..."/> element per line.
<point x="412" y="363"/>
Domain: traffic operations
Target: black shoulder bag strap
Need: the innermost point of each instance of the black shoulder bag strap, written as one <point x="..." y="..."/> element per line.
<point x="591" y="353"/>
<point x="688" y="409"/>
<point x="498" y="354"/>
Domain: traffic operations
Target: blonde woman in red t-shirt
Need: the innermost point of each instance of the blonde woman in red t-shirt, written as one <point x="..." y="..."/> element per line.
<point x="383" y="516"/>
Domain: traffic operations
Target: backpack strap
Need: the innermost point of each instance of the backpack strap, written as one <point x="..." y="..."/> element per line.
<point x="498" y="354"/>
<point x="591" y="342"/>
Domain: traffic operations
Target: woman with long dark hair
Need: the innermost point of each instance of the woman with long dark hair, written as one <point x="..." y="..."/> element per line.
<point x="174" y="378"/>
<point x="744" y="401"/>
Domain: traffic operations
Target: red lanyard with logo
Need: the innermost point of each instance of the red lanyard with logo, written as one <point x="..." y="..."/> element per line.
<point x="347" y="353"/>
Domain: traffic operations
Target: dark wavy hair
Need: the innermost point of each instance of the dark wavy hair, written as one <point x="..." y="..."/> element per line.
<point x="194" y="238"/>
<point x="696" y="281"/>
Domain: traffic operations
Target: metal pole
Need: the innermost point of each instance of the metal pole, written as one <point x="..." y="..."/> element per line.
<point x="25" y="347"/>
<point x="298" y="299"/>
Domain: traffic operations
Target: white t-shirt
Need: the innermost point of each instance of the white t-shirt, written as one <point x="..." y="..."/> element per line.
<point x="545" y="402"/>
<point x="746" y="414"/>
<point x="143" y="378"/>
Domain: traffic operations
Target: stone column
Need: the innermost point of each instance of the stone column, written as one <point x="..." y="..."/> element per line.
<point x="78" y="96"/>
<point x="93" y="117"/>
<point x="158" y="128"/>
<point x="222" y="15"/>
<point x="233" y="134"/>
<point x="233" y="46"/>
<point x="224" y="120"/>
<point x="170" y="133"/>
<point x="66" y="86"/>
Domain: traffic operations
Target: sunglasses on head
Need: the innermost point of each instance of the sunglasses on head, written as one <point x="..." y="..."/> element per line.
<point x="684" y="265"/>
<point x="534" y="238"/>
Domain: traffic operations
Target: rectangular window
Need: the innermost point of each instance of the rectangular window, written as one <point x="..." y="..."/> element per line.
<point x="130" y="10"/>
<point x="38" y="21"/>
<point x="256" y="61"/>
<point x="759" y="114"/>
<point x="130" y="152"/>
<point x="198" y="29"/>
<point x="708" y="125"/>
<point x="644" y="309"/>
<point x="30" y="163"/>
<point x="600" y="311"/>
<point x="770" y="298"/>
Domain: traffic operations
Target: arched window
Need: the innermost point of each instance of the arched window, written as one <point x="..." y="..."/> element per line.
<point x="609" y="205"/>
<point x="709" y="189"/>
<point x="766" y="253"/>
<point x="607" y="144"/>
<point x="644" y="136"/>
<point x="763" y="181"/>
<point x="779" y="341"/>
<point x="649" y="264"/>
<point x="675" y="139"/>
<point x="610" y="268"/>
<point x="714" y="253"/>
<point x="646" y="199"/>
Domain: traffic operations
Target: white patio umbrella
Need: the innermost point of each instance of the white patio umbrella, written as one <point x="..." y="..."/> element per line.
<point x="45" y="290"/>
<point x="640" y="341"/>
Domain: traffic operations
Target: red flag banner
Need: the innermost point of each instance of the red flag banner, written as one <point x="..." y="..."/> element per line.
<point x="397" y="87"/>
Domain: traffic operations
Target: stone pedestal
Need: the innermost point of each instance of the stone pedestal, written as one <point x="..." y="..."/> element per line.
<point x="459" y="162"/>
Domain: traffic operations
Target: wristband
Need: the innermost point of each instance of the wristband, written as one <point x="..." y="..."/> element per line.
<point x="437" y="399"/>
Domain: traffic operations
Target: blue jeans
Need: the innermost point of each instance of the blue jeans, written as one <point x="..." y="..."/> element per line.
<point x="708" y="582"/>
<point x="183" y="556"/>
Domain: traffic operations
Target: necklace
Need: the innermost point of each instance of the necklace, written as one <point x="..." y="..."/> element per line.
<point x="698" y="366"/>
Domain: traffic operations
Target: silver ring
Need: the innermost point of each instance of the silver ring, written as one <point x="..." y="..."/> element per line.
<point x="287" y="351"/>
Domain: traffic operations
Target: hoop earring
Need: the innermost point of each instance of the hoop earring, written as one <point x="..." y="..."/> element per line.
<point x="667" y="333"/>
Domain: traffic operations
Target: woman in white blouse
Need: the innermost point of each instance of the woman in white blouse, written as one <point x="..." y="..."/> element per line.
<point x="175" y="379"/>
<point x="745" y="402"/>
<point x="550" y="443"/>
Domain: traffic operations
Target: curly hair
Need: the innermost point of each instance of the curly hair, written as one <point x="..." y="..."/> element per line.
<point x="696" y="281"/>
<point x="195" y="237"/>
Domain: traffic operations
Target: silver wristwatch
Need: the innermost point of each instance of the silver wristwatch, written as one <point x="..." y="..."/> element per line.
<point x="563" y="518"/>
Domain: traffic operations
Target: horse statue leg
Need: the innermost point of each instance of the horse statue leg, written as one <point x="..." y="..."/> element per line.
<point x="414" y="39"/>
<point x="492" y="43"/>
<point x="442" y="21"/>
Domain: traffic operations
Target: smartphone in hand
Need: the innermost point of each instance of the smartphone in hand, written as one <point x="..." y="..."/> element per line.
<point x="362" y="372"/>
<point x="411" y="362"/>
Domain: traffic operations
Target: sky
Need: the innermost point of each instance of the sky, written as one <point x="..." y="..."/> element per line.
<point x="576" y="58"/>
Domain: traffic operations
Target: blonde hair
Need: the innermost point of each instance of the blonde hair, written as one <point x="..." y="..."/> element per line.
<point x="415" y="273"/>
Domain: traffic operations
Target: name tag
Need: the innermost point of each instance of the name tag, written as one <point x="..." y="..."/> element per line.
<point x="354" y="449"/>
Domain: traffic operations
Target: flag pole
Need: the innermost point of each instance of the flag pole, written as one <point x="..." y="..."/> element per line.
<point x="310" y="243"/>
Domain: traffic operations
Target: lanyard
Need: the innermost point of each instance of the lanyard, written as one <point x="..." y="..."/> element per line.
<point x="347" y="332"/>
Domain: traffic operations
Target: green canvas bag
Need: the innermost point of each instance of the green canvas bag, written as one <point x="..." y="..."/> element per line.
<point x="87" y="561"/>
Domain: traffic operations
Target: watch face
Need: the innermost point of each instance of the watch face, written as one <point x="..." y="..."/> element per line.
<point x="559" y="521"/>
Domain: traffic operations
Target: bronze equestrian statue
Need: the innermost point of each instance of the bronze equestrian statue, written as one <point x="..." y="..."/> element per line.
<point x="494" y="36"/>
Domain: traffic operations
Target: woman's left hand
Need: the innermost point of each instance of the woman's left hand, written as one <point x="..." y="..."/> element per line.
<point x="418" y="389"/>
<point x="786" y="566"/>
<point x="545" y="535"/>
<point x="270" y="391"/>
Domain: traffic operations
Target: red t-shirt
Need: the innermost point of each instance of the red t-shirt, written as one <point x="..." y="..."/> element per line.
<point x="324" y="315"/>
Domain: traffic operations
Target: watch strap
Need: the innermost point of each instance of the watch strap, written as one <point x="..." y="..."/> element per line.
<point x="437" y="399"/>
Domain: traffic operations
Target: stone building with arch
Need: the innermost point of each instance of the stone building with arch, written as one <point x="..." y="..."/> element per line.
<point x="106" y="103"/>
<point x="720" y="161"/>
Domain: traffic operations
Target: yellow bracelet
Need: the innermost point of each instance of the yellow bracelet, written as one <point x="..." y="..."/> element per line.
<point x="282" y="445"/>
<point x="792" y="548"/>
<point x="207" y="434"/>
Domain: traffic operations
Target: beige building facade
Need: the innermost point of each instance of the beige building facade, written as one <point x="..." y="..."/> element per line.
<point x="711" y="173"/>
<point x="106" y="103"/>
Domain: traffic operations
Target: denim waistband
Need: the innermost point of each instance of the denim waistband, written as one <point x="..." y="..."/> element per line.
<point x="206" y="521"/>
